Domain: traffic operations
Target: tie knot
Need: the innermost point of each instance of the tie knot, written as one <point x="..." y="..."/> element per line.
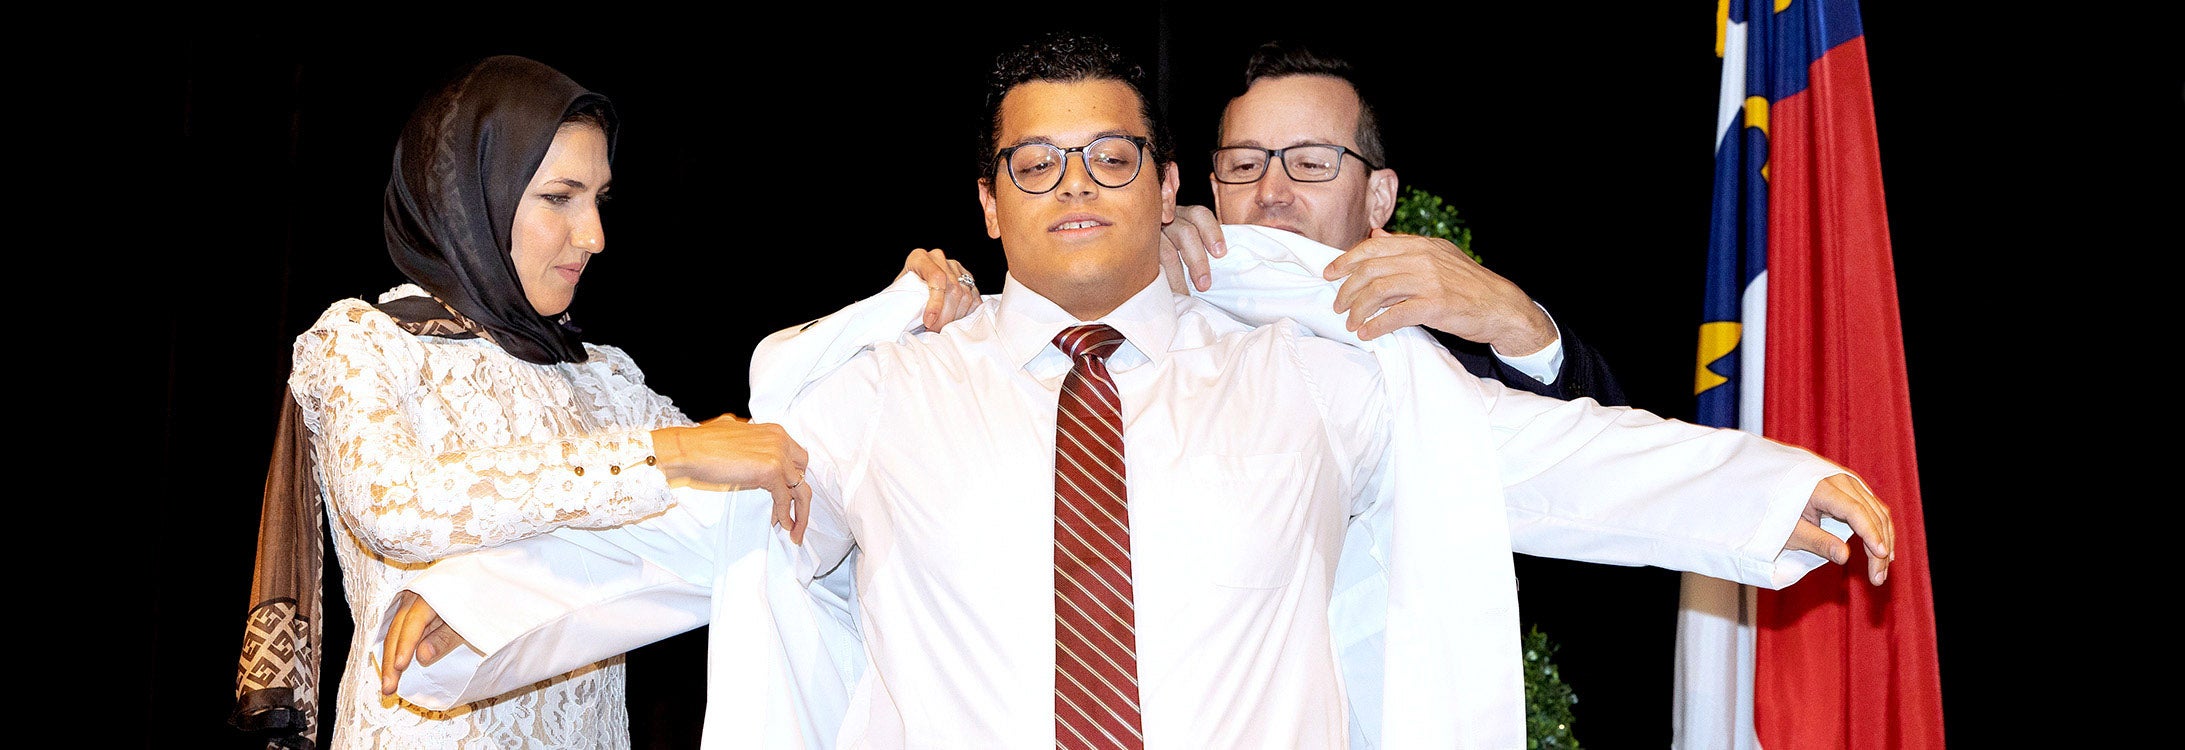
<point x="1097" y="340"/>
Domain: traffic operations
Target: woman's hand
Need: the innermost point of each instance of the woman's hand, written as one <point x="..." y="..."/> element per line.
<point x="414" y="632"/>
<point x="731" y="453"/>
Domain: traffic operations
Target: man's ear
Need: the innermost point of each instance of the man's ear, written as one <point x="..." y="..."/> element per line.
<point x="1381" y="196"/>
<point x="986" y="207"/>
<point x="1172" y="180"/>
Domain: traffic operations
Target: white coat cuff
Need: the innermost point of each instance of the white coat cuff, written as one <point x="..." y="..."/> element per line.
<point x="1768" y="564"/>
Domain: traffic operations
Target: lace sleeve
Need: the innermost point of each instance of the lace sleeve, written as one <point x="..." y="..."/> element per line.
<point x="382" y="414"/>
<point x="626" y="381"/>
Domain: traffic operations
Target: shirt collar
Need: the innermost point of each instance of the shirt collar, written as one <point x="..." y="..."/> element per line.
<point x="1027" y="322"/>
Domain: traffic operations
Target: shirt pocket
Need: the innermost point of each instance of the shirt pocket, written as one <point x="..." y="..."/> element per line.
<point x="1254" y="512"/>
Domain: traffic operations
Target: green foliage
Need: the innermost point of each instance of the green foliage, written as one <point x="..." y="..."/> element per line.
<point x="1547" y="700"/>
<point x="1424" y="214"/>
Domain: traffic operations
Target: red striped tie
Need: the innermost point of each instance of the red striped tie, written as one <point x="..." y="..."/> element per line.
<point x="1096" y="638"/>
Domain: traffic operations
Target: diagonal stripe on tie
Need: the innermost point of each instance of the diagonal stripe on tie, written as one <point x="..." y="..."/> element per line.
<point x="1096" y="640"/>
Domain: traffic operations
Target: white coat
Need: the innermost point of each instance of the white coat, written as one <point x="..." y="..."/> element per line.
<point x="1425" y="606"/>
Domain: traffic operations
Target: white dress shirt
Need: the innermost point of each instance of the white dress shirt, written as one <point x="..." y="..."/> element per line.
<point x="935" y="457"/>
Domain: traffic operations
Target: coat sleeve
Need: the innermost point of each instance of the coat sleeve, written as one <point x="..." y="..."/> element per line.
<point x="1623" y="486"/>
<point x="790" y="360"/>
<point x="543" y="606"/>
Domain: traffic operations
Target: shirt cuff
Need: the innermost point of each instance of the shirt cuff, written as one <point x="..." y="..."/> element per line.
<point x="1542" y="365"/>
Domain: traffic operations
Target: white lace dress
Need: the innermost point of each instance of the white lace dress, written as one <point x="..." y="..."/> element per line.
<point x="429" y="446"/>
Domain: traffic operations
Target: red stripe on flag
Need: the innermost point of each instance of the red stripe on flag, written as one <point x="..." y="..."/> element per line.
<point x="1840" y="663"/>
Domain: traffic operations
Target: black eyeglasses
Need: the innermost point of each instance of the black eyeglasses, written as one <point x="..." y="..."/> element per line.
<point x="1311" y="162"/>
<point x="1113" y="161"/>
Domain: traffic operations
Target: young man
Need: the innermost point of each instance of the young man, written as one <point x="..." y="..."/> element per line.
<point x="1096" y="514"/>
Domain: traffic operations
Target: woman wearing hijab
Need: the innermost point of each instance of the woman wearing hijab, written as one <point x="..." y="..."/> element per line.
<point x="461" y="410"/>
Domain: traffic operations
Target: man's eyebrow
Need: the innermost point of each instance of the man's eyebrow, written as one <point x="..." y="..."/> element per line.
<point x="1307" y="141"/>
<point x="1031" y="139"/>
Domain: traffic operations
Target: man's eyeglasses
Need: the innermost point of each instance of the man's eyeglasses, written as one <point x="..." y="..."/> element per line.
<point x="1312" y="162"/>
<point x="1113" y="161"/>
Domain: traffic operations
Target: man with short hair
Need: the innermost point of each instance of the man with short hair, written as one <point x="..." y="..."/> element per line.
<point x="1301" y="150"/>
<point x="1094" y="513"/>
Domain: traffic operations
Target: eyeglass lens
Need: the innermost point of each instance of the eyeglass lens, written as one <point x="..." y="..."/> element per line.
<point x="1241" y="164"/>
<point x="1037" y="167"/>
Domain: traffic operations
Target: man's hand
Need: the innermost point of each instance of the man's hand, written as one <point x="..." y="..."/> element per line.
<point x="950" y="296"/>
<point x="1412" y="280"/>
<point x="1845" y="499"/>
<point x="416" y="630"/>
<point x="1189" y="240"/>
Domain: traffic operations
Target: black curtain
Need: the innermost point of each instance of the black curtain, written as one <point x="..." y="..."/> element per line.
<point x="242" y="160"/>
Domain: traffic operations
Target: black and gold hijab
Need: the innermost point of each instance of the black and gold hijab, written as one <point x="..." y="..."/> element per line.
<point x="460" y="168"/>
<point x="459" y="171"/>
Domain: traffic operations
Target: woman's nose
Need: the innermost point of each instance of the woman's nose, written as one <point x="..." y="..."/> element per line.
<point x="588" y="234"/>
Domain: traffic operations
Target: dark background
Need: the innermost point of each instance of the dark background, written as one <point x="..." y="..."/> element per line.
<point x="776" y="164"/>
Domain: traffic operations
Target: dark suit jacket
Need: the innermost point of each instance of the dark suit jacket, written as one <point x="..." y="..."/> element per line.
<point x="1584" y="374"/>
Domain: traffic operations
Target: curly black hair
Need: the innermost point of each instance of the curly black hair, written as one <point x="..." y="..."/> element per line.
<point x="1069" y="57"/>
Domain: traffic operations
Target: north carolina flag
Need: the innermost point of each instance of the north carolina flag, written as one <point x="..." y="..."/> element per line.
<point x="1800" y="341"/>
